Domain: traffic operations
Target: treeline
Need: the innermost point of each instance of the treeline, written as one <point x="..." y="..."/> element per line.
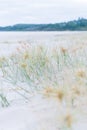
<point x="75" y="25"/>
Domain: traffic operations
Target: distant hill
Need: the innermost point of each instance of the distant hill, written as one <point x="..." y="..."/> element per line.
<point x="75" y="25"/>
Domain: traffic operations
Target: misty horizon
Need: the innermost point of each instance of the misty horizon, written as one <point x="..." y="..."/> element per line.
<point x="43" y="23"/>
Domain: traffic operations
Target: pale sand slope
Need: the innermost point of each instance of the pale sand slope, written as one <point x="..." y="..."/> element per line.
<point x="39" y="114"/>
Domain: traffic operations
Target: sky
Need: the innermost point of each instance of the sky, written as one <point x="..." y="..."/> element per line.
<point x="41" y="11"/>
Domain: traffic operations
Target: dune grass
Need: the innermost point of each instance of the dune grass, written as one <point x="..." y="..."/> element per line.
<point x="57" y="73"/>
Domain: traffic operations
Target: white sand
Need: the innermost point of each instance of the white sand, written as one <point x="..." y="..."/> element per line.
<point x="39" y="114"/>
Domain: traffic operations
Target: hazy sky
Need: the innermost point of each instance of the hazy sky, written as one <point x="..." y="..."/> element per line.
<point x="41" y="11"/>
